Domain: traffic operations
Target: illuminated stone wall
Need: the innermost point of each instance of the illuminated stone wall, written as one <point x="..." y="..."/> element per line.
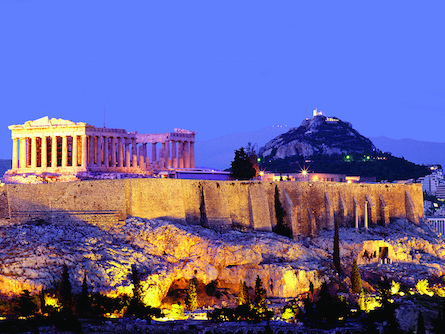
<point x="219" y="204"/>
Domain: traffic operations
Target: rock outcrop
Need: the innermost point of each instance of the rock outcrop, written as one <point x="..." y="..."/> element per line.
<point x="165" y="252"/>
<point x="318" y="135"/>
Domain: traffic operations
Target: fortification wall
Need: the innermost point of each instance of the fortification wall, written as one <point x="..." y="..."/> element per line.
<point x="247" y="205"/>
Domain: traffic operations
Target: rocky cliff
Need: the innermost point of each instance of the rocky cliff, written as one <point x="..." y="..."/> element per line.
<point x="318" y="135"/>
<point x="166" y="253"/>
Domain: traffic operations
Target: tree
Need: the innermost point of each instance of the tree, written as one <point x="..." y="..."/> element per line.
<point x="260" y="296"/>
<point x="242" y="167"/>
<point x="243" y="295"/>
<point x="83" y="304"/>
<point x="280" y="213"/>
<point x="420" y="324"/>
<point x="65" y="295"/>
<point x="356" y="279"/>
<point x="336" y="253"/>
<point x="26" y="305"/>
<point x="191" y="298"/>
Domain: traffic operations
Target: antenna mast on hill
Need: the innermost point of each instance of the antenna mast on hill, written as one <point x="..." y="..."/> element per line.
<point x="104" y="116"/>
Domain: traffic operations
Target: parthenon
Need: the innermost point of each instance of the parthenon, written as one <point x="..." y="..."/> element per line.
<point x="62" y="146"/>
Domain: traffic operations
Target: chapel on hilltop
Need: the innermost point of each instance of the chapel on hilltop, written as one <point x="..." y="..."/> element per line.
<point x="58" y="146"/>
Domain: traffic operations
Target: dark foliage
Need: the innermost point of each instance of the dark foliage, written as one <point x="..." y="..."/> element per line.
<point x="191" y="298"/>
<point x="243" y="295"/>
<point x="65" y="295"/>
<point x="421" y="324"/>
<point x="383" y="166"/>
<point x="356" y="279"/>
<point x="241" y="166"/>
<point x="439" y="322"/>
<point x="260" y="297"/>
<point x="83" y="305"/>
<point x="210" y="288"/>
<point x="26" y="305"/>
<point x="336" y="252"/>
<point x="281" y="227"/>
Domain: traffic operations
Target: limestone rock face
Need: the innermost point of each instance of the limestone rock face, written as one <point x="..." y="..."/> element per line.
<point x="166" y="252"/>
<point x="319" y="135"/>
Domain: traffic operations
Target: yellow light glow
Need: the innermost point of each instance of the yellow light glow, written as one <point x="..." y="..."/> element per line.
<point x="304" y="172"/>
<point x="261" y="173"/>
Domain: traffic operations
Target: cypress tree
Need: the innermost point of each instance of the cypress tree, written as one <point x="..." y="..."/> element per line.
<point x="191" y="298"/>
<point x="356" y="279"/>
<point x="65" y="294"/>
<point x="83" y="306"/>
<point x="420" y="324"/>
<point x="260" y="296"/>
<point x="336" y="253"/>
<point x="243" y="295"/>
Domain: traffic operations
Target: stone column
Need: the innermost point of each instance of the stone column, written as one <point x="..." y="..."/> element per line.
<point x="162" y="157"/>
<point x="127" y="153"/>
<point x="180" y="155"/>
<point x="113" y="152"/>
<point x="106" y="154"/>
<point x="28" y="151"/>
<point x="186" y="155"/>
<point x="84" y="151"/>
<point x="15" y="151"/>
<point x="153" y="153"/>
<point x="33" y="152"/>
<point x="134" y="153"/>
<point x="120" y="152"/>
<point x="141" y="156"/>
<point x="43" y="153"/>
<point x="91" y="151"/>
<point x="22" y="152"/>
<point x="99" y="151"/>
<point x="168" y="161"/>
<point x="174" y="159"/>
<point x="192" y="154"/>
<point x="54" y="152"/>
<point x="74" y="160"/>
<point x="64" y="151"/>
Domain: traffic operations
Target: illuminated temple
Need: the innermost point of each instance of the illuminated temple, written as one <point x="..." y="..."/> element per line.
<point x="65" y="147"/>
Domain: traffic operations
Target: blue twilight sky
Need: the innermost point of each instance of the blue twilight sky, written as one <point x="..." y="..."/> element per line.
<point x="222" y="67"/>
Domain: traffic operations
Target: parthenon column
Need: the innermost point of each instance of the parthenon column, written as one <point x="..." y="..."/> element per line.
<point x="64" y="151"/>
<point x="174" y="159"/>
<point x="180" y="155"/>
<point x="120" y="152"/>
<point x="192" y="154"/>
<point x="153" y="153"/>
<point x="33" y="152"/>
<point x="22" y="152"/>
<point x="168" y="161"/>
<point x="106" y="155"/>
<point x="74" y="157"/>
<point x="134" y="153"/>
<point x="91" y="150"/>
<point x="15" y="155"/>
<point x="84" y="151"/>
<point x="186" y="155"/>
<point x="99" y="151"/>
<point x="113" y="152"/>
<point x="162" y="156"/>
<point x="43" y="153"/>
<point x="142" y="156"/>
<point x="127" y="153"/>
<point x="54" y="152"/>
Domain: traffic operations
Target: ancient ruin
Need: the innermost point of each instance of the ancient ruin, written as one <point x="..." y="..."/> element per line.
<point x="61" y="146"/>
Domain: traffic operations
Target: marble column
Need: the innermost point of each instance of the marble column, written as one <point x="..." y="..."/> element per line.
<point x="174" y="159"/>
<point x="33" y="152"/>
<point x="113" y="152"/>
<point x="180" y="155"/>
<point x="91" y="150"/>
<point x="134" y="153"/>
<point x="120" y="147"/>
<point x="99" y="151"/>
<point x="106" y="153"/>
<point x="127" y="153"/>
<point x="192" y="154"/>
<point x="43" y="153"/>
<point x="162" y="157"/>
<point x="186" y="155"/>
<point x="168" y="160"/>
<point x="28" y="152"/>
<point x="84" y="151"/>
<point x="54" y="152"/>
<point x="22" y="152"/>
<point x="74" y="160"/>
<point x="366" y="215"/>
<point x="64" y="151"/>
<point x="141" y="156"/>
<point x="153" y="153"/>
<point x="15" y="151"/>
